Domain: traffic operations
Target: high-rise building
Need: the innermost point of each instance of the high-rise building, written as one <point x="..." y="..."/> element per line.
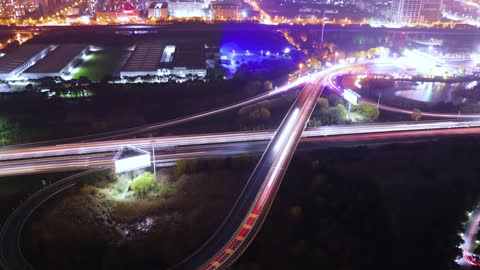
<point x="406" y="11"/>
<point x="225" y="10"/>
<point x="188" y="8"/>
<point x="118" y="5"/>
<point x="158" y="10"/>
<point x="431" y="10"/>
<point x="47" y="7"/>
<point x="13" y="9"/>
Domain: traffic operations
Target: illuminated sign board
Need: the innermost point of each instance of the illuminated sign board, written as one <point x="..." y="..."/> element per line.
<point x="132" y="163"/>
<point x="351" y="96"/>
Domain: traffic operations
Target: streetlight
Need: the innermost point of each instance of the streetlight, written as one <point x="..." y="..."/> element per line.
<point x="336" y="55"/>
<point x="378" y="101"/>
<point x="323" y="29"/>
<point x="300" y="66"/>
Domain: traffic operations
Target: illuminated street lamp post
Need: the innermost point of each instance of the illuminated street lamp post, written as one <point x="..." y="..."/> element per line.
<point x="300" y="66"/>
<point x="378" y="101"/>
<point x="154" y="162"/>
<point x="323" y="29"/>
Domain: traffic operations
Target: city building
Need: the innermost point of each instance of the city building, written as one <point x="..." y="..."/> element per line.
<point x="156" y="58"/>
<point x="225" y="11"/>
<point x="189" y="8"/>
<point x="188" y="59"/>
<point x="15" y="9"/>
<point x="59" y="62"/>
<point x="116" y="15"/>
<point x="15" y="63"/>
<point x="116" y="5"/>
<point x="406" y="11"/>
<point x="375" y="7"/>
<point x="431" y="10"/>
<point x="50" y="7"/>
<point x="158" y="11"/>
<point x="146" y="58"/>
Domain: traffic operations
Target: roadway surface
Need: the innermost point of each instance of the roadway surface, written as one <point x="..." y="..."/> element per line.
<point x="250" y="210"/>
<point x="10" y="253"/>
<point x="469" y="237"/>
<point x="200" y="27"/>
<point x="168" y="149"/>
<point x="247" y="215"/>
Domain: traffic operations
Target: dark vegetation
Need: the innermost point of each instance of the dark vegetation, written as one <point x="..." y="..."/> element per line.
<point x="15" y="189"/>
<point x="331" y="110"/>
<point x="112" y="106"/>
<point x="391" y="207"/>
<point x="88" y="228"/>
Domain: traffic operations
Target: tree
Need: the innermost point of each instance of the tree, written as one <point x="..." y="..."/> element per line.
<point x="143" y="184"/>
<point x="261" y="115"/>
<point x="322" y="104"/>
<point x="267" y="85"/>
<point x="252" y="87"/>
<point x="416" y="114"/>
<point x="473" y="108"/>
<point x="181" y="167"/>
<point x="9" y="132"/>
<point x="194" y="165"/>
<point x="216" y="73"/>
<point x="369" y="111"/>
<point x="334" y="100"/>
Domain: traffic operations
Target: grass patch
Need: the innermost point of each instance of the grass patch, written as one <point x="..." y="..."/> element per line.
<point x="101" y="64"/>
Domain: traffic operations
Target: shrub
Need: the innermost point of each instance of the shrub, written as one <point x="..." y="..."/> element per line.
<point x="416" y="114"/>
<point x="322" y="103"/>
<point x="143" y="184"/>
<point x="369" y="111"/>
<point x="181" y="167"/>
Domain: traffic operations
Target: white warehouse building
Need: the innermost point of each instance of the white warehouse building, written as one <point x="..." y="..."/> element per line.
<point x="14" y="63"/>
<point x="58" y="63"/>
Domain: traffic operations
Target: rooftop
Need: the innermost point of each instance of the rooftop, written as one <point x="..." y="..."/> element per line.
<point x="58" y="59"/>
<point x="224" y="5"/>
<point x="146" y="56"/>
<point x="189" y="55"/>
<point x="19" y="56"/>
<point x="159" y="5"/>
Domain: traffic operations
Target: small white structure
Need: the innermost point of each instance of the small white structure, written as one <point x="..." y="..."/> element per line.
<point x="130" y="158"/>
<point x="351" y="97"/>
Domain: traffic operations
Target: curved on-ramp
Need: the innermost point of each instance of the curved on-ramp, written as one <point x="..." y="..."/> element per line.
<point x="11" y="257"/>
